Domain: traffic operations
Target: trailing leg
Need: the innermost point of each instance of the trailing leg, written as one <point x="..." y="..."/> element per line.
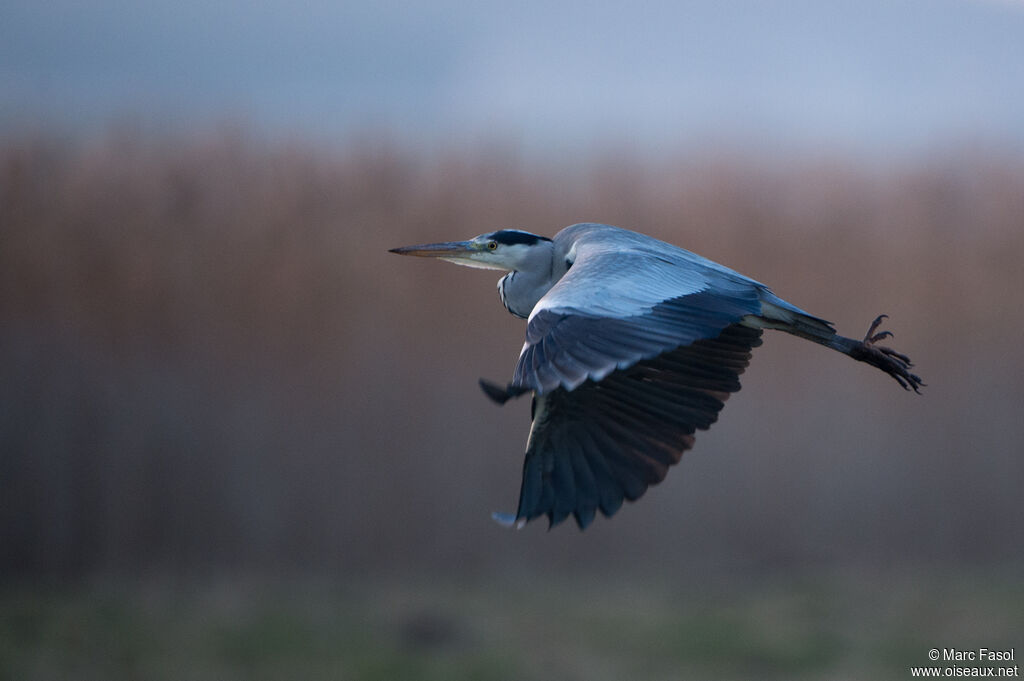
<point x="777" y="314"/>
<point x="896" y="364"/>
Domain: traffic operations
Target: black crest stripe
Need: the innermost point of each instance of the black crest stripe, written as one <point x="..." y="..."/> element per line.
<point x="510" y="237"/>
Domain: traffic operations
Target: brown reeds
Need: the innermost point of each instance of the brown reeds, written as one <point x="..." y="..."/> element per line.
<point x="208" y="358"/>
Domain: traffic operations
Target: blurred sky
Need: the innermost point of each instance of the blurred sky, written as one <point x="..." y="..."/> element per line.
<point x="864" y="74"/>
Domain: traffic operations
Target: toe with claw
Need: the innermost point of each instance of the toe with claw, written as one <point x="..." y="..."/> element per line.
<point x="894" y="363"/>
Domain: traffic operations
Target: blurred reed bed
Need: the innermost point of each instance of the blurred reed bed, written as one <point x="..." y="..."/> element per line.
<point x="208" y="360"/>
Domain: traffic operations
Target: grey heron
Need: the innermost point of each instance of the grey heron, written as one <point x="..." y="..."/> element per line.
<point x="632" y="345"/>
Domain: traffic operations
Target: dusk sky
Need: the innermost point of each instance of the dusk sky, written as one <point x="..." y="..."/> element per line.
<point x="865" y="75"/>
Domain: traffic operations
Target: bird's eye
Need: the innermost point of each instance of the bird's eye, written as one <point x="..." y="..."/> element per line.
<point x="492" y="245"/>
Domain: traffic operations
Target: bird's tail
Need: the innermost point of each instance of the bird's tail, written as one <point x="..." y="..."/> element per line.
<point x="790" y="319"/>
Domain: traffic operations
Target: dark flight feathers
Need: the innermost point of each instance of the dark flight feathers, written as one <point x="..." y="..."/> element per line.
<point x="606" y="441"/>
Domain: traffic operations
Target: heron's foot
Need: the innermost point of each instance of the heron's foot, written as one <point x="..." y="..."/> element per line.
<point x="896" y="364"/>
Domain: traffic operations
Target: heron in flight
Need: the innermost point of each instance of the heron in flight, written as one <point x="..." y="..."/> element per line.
<point x="632" y="345"/>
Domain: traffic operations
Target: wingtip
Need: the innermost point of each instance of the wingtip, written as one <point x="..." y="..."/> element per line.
<point x="494" y="392"/>
<point x="508" y="520"/>
<point x="500" y="395"/>
<point x="584" y="516"/>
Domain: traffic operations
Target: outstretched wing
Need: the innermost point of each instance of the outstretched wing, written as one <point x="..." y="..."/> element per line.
<point x="632" y="351"/>
<point x="606" y="441"/>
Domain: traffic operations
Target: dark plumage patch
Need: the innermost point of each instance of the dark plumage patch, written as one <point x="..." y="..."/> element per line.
<point x="606" y="442"/>
<point x="510" y="237"/>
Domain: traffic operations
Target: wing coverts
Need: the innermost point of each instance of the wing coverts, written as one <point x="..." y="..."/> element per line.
<point x="565" y="348"/>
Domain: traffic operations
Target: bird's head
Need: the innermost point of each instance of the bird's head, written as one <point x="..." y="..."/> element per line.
<point x="506" y="249"/>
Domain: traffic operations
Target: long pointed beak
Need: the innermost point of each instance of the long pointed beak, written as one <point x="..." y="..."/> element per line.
<point x="447" y="249"/>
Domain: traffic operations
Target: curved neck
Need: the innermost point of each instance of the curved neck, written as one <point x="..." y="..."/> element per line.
<point x="521" y="288"/>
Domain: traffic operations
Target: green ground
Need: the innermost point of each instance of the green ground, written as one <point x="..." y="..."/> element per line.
<point x="835" y="627"/>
